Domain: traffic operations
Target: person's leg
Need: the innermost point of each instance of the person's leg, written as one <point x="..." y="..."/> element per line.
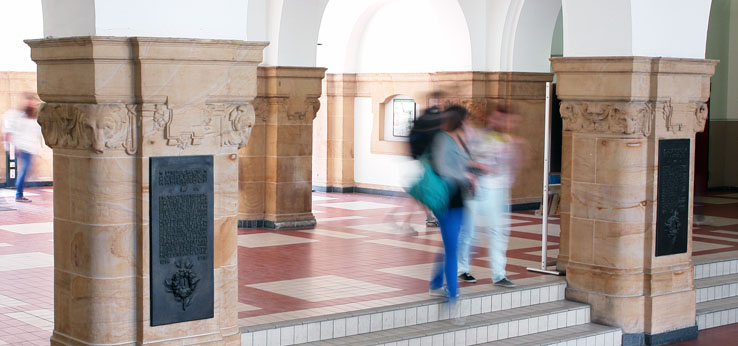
<point x="500" y="232"/>
<point x="437" y="274"/>
<point x="466" y="234"/>
<point x="22" y="162"/>
<point x="450" y="225"/>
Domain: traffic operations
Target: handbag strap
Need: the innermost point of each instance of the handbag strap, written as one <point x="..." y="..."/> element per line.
<point x="463" y="145"/>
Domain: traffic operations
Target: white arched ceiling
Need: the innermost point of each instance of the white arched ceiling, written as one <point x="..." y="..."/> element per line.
<point x="290" y="26"/>
<point x="533" y="35"/>
<point x="392" y="36"/>
<point x="669" y="28"/>
<point x="341" y="29"/>
<point x="511" y="35"/>
<point x="213" y="19"/>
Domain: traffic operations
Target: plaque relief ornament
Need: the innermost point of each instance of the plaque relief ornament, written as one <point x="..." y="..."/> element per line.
<point x="182" y="284"/>
<point x="700" y="114"/>
<point x="236" y="125"/>
<point x="667" y="113"/>
<point x="617" y="118"/>
<point x="98" y="127"/>
<point x="672" y="226"/>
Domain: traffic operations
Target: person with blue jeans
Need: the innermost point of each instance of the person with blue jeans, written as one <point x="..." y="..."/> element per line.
<point x="449" y="159"/>
<point x="497" y="156"/>
<point x="23" y="132"/>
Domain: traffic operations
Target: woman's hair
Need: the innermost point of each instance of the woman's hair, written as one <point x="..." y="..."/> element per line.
<point x="453" y="117"/>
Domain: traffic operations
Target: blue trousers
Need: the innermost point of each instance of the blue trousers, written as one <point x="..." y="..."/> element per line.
<point x="22" y="162"/>
<point x="450" y="223"/>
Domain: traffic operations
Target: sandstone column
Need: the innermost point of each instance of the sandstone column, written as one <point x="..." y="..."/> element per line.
<point x="276" y="167"/>
<point x="112" y="104"/>
<point x="620" y="113"/>
<point x="334" y="135"/>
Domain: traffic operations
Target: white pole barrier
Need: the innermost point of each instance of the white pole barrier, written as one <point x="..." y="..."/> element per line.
<point x="546" y="172"/>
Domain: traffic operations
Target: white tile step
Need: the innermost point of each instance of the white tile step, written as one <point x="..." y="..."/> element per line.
<point x="711" y="268"/>
<point x="475" y="300"/>
<point x="583" y="334"/>
<point x="716" y="287"/>
<point x="478" y="329"/>
<point x="717" y="313"/>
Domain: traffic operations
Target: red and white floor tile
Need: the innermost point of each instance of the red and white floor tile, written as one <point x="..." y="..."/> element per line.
<point x="359" y="256"/>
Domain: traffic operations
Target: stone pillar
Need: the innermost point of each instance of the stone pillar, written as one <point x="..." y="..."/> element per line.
<point x="616" y="112"/>
<point x="112" y="104"/>
<point x="276" y="169"/>
<point x="334" y="137"/>
<point x="564" y="205"/>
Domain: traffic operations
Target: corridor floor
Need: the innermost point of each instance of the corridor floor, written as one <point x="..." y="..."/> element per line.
<point x="358" y="256"/>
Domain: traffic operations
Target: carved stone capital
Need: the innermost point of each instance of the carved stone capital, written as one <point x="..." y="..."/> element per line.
<point x="626" y="118"/>
<point x="700" y="114"/>
<point x="261" y="108"/>
<point x="98" y="127"/>
<point x="236" y="124"/>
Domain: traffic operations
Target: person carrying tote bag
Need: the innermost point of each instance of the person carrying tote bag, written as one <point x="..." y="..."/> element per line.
<point x="449" y="160"/>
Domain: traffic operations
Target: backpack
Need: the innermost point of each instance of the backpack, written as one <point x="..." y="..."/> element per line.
<point x="424" y="129"/>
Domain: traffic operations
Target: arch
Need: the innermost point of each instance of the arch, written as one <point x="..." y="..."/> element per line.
<point x="531" y="45"/>
<point x="512" y="35"/>
<point x="348" y="51"/>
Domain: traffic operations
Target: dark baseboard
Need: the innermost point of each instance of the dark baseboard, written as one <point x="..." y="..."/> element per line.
<point x="379" y="192"/>
<point x="678" y="335"/>
<point x="333" y="189"/>
<point x="285" y="225"/>
<point x="30" y="184"/>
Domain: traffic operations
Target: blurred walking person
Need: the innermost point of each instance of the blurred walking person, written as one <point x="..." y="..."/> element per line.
<point x="497" y="156"/>
<point x="449" y="159"/>
<point x="23" y="132"/>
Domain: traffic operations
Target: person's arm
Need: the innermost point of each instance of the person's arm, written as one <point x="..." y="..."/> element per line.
<point x="444" y="160"/>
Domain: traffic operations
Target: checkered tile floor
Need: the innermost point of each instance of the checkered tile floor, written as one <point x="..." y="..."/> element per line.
<point x="359" y="256"/>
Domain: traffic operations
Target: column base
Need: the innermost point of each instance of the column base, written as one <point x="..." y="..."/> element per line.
<point x="678" y="335"/>
<point x="298" y="222"/>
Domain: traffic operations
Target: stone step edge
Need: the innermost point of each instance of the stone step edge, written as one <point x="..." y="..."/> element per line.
<point x="483" y="297"/>
<point x="717" y="313"/>
<point x="510" y="324"/>
<point x="603" y="336"/>
<point x="715" y="288"/>
<point x="715" y="268"/>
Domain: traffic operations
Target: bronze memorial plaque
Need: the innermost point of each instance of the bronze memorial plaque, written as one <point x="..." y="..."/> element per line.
<point x="181" y="225"/>
<point x="672" y="228"/>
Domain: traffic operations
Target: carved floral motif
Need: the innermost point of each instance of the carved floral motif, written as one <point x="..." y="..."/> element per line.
<point x="90" y="126"/>
<point x="617" y="118"/>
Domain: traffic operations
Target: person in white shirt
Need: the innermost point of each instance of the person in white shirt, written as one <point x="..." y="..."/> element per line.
<point x="23" y="132"/>
<point x="496" y="156"/>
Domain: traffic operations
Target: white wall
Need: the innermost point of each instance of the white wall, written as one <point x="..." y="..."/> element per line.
<point x="19" y="20"/>
<point x="597" y="27"/>
<point x="668" y="28"/>
<point x="377" y="169"/>
<point x="212" y="19"/>
<point x="394" y="36"/>
<point x="673" y="28"/>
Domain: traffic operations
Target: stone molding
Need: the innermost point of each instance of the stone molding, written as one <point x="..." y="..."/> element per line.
<point x="106" y="127"/>
<point x="628" y="118"/>
<point x="98" y="127"/>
